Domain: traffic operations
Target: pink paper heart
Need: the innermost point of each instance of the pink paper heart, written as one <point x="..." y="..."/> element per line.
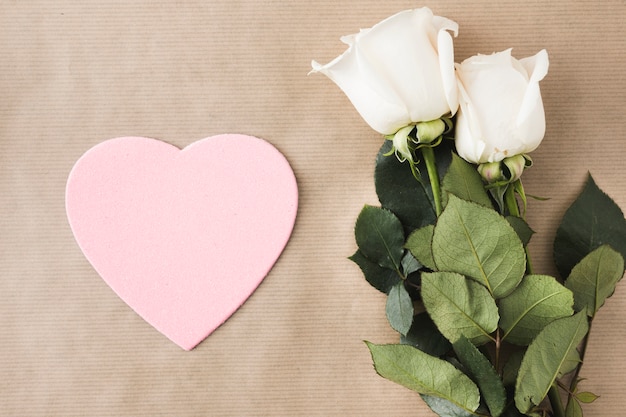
<point x="182" y="236"/>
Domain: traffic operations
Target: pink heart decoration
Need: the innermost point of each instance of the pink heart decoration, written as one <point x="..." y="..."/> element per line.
<point x="182" y="236"/>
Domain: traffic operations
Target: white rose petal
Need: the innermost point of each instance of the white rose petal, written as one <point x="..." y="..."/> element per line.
<point x="401" y="71"/>
<point x="501" y="112"/>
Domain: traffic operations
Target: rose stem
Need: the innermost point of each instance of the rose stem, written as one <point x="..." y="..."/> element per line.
<point x="431" y="167"/>
<point x="555" y="401"/>
<point x="583" y="350"/>
<point x="511" y="205"/>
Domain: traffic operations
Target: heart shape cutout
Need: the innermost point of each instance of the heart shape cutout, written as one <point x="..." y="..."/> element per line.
<point x="184" y="237"/>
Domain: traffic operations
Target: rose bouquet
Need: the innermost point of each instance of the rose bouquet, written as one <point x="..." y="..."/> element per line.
<point x="481" y="332"/>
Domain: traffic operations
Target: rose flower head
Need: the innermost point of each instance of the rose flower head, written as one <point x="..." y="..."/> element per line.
<point x="500" y="108"/>
<point x="400" y="71"/>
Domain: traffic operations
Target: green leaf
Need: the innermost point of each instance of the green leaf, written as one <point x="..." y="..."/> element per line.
<point x="425" y="336"/>
<point x="545" y="357"/>
<point x="511" y="411"/>
<point x="572" y="360"/>
<point x="420" y="372"/>
<point x="459" y="307"/>
<point x="410" y="264"/>
<point x="419" y="244"/>
<point x="594" y="278"/>
<point x="586" y="397"/>
<point x="573" y="409"/>
<point x="383" y="279"/>
<point x="523" y="230"/>
<point x="399" y="309"/>
<point x="483" y="373"/>
<point x="444" y="408"/>
<point x="464" y="181"/>
<point x="591" y="221"/>
<point x="380" y="237"/>
<point x="511" y="367"/>
<point x="477" y="242"/>
<point x="537" y="301"/>
<point x="400" y="192"/>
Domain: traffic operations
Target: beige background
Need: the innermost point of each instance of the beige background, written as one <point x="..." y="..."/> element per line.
<point x="73" y="74"/>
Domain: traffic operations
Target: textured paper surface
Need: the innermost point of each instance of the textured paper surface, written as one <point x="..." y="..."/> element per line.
<point x="76" y="73"/>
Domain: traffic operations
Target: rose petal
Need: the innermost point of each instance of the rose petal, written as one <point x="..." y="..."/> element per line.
<point x="537" y="68"/>
<point x="392" y="72"/>
<point x="501" y="112"/>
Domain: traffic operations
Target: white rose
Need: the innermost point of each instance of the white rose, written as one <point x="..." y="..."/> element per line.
<point x="501" y="112"/>
<point x="401" y="71"/>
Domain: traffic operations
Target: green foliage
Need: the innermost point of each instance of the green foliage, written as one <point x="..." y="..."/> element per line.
<point x="398" y="190"/>
<point x="380" y="237"/>
<point x="400" y="193"/>
<point x="445" y="408"/>
<point x="410" y="264"/>
<point x="511" y="368"/>
<point x="479" y="337"/>
<point x="399" y="309"/>
<point x="420" y="244"/>
<point x="511" y="411"/>
<point x="464" y="181"/>
<point x="586" y="397"/>
<point x="523" y="230"/>
<point x="591" y="221"/>
<point x="381" y="278"/>
<point x="459" y="307"/>
<point x="420" y="372"/>
<point x="594" y="278"/>
<point x="537" y="301"/>
<point x="573" y="409"/>
<point x="485" y="247"/>
<point x="570" y="363"/>
<point x="545" y="357"/>
<point x="425" y="336"/>
<point x="482" y="372"/>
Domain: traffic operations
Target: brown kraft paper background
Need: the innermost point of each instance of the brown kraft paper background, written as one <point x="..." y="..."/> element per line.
<point x="73" y="74"/>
